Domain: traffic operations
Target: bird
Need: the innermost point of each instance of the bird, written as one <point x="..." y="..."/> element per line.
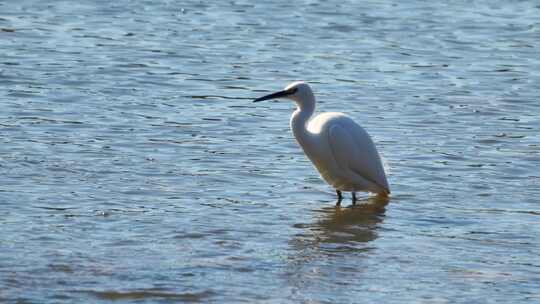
<point x="341" y="150"/>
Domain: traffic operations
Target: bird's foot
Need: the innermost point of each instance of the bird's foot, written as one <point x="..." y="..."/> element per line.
<point x="339" y="198"/>
<point x="354" y="198"/>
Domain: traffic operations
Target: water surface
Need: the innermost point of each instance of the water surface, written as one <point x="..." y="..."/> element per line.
<point x="135" y="168"/>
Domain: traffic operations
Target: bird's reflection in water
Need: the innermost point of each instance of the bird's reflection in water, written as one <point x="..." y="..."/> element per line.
<point x="353" y="224"/>
<point x="334" y="247"/>
<point x="342" y="232"/>
<point x="343" y="228"/>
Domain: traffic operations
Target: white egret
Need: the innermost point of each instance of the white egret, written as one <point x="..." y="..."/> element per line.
<point x="339" y="148"/>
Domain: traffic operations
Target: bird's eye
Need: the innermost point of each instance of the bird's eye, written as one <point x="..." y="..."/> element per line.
<point x="293" y="91"/>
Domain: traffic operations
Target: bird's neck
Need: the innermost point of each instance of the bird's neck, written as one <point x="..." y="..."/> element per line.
<point x="299" y="121"/>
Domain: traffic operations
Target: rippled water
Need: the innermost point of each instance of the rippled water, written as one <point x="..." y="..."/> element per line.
<point x="134" y="166"/>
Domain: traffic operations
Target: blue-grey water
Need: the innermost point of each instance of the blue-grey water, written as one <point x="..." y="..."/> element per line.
<point x="134" y="167"/>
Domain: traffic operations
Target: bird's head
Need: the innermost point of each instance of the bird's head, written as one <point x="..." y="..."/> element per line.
<point x="298" y="91"/>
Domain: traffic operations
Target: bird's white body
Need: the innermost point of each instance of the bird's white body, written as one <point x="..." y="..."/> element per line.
<point x="342" y="152"/>
<point x="339" y="148"/>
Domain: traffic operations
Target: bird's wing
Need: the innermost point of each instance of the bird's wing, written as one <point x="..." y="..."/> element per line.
<point x="354" y="150"/>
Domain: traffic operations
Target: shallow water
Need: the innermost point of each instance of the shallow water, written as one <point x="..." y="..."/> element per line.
<point x="135" y="168"/>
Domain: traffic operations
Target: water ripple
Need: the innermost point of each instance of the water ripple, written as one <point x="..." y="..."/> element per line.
<point x="135" y="167"/>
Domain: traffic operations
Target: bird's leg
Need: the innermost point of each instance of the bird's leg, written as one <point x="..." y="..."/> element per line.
<point x="339" y="198"/>
<point x="354" y="198"/>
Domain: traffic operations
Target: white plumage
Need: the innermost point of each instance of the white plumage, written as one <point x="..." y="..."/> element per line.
<point x="341" y="150"/>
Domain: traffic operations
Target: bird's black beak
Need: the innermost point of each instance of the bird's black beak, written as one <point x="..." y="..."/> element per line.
<point x="275" y="95"/>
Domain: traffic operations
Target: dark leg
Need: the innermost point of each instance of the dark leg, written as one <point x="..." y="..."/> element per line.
<point x="339" y="198"/>
<point x="354" y="198"/>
